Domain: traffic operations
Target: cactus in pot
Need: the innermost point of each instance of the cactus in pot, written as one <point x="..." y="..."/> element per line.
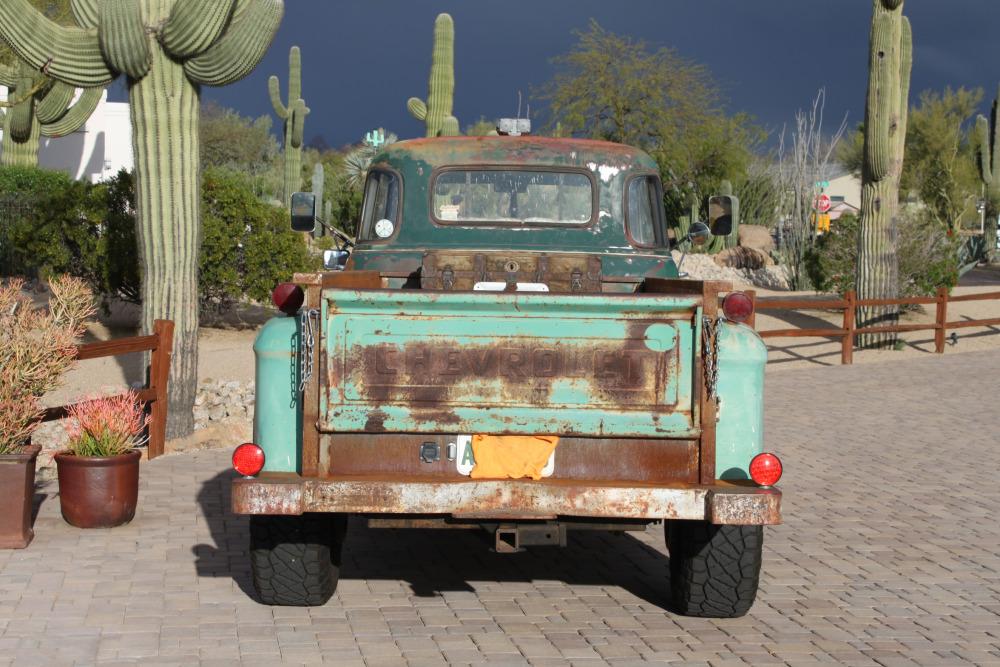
<point x="167" y="49"/>
<point x="890" y="61"/>
<point x="436" y="112"/>
<point x="294" y="116"/>
<point x="989" y="172"/>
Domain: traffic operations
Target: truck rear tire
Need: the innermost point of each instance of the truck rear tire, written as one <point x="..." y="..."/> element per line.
<point x="714" y="570"/>
<point x="295" y="560"/>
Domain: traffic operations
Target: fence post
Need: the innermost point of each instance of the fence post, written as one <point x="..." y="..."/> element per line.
<point x="847" y="342"/>
<point x="159" y="372"/>
<point x="941" y="320"/>
<point x="752" y="320"/>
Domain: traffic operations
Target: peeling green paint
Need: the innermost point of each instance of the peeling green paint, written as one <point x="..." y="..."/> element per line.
<point x="740" y="430"/>
<point x="277" y="417"/>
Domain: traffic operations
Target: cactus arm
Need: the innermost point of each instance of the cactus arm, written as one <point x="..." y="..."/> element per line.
<point x="983" y="152"/>
<point x="298" y="121"/>
<point x="450" y="127"/>
<point x="294" y="74"/>
<point x="123" y="37"/>
<point x="68" y="54"/>
<point x="194" y="25"/>
<point x="905" y="69"/>
<point x="76" y="115"/>
<point x="7" y="76"/>
<point x="417" y="108"/>
<point x="54" y="104"/>
<point x="22" y="116"/>
<point x="879" y="151"/>
<point x="274" y="88"/>
<point x="85" y="12"/>
<point x="993" y="141"/>
<point x="242" y="46"/>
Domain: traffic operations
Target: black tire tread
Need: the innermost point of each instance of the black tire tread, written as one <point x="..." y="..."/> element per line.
<point x="714" y="570"/>
<point x="295" y="561"/>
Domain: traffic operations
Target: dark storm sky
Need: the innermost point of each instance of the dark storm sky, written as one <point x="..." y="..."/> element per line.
<point x="363" y="58"/>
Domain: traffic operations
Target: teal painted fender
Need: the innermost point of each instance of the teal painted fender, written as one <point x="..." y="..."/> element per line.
<point x="277" y="419"/>
<point x="739" y="432"/>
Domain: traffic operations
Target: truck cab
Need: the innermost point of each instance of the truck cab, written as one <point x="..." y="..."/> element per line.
<point x="509" y="348"/>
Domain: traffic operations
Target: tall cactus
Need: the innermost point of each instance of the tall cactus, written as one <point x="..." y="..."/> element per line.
<point x="318" y="182"/>
<point x="989" y="172"/>
<point x="39" y="108"/>
<point x="167" y="49"/>
<point x="890" y="61"/>
<point x="436" y="111"/>
<point x="294" y="115"/>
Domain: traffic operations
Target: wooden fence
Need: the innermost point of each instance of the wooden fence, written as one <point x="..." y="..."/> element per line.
<point x="154" y="394"/>
<point x="848" y="330"/>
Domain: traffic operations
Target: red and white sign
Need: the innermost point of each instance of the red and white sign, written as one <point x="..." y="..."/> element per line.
<point x="823" y="203"/>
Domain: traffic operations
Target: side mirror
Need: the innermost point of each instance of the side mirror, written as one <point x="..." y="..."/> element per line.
<point x="334" y="260"/>
<point x="303" y="212"/>
<point x="720" y="214"/>
<point x="699" y="234"/>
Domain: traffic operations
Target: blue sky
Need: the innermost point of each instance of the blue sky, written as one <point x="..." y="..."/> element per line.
<point x="363" y="58"/>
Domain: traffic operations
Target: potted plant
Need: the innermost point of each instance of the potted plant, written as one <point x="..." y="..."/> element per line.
<point x="99" y="470"/>
<point x="37" y="346"/>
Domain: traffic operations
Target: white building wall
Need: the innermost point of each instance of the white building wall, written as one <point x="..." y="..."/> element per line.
<point x="97" y="151"/>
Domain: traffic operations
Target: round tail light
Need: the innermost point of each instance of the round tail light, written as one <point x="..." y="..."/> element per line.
<point x="248" y="459"/>
<point x="765" y="469"/>
<point x="737" y="307"/>
<point x="288" y="298"/>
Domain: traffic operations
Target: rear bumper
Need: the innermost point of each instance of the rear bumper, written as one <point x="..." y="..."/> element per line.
<point x="722" y="503"/>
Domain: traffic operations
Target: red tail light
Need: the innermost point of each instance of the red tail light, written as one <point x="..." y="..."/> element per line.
<point x="765" y="469"/>
<point x="248" y="459"/>
<point x="737" y="307"/>
<point x="288" y="298"/>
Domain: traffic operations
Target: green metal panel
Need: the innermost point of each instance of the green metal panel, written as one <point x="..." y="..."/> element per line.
<point x="277" y="418"/>
<point x="473" y="362"/>
<point x="740" y="429"/>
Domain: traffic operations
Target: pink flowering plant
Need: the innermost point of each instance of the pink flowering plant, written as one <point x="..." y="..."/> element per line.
<point x="37" y="347"/>
<point x="106" y="426"/>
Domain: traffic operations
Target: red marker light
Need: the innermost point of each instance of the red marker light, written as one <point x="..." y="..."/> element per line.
<point x="248" y="459"/>
<point x="765" y="469"/>
<point x="288" y="298"/>
<point x="737" y="307"/>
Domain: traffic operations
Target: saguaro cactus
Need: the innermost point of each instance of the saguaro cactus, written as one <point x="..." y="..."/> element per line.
<point x="39" y="107"/>
<point x="436" y="112"/>
<point x="167" y="49"/>
<point x="890" y="60"/>
<point x="989" y="172"/>
<point x="294" y="115"/>
<point x="323" y="207"/>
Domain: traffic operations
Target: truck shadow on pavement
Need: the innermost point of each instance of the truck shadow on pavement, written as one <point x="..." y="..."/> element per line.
<point x="432" y="562"/>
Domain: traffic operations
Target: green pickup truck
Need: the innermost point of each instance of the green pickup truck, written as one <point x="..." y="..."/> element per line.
<point x="508" y="347"/>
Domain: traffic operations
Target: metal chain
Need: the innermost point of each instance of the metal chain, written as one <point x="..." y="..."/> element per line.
<point x="306" y="356"/>
<point x="710" y="339"/>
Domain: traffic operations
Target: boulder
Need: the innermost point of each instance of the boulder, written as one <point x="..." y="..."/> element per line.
<point x="757" y="237"/>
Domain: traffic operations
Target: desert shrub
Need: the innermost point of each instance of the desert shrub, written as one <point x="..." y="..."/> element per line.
<point x="928" y="257"/>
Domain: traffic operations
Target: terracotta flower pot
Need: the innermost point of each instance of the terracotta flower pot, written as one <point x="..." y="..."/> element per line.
<point x="17" y="492"/>
<point x="98" y="492"/>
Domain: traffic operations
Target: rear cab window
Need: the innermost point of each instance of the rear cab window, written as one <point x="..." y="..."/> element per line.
<point x="512" y="197"/>
<point x="380" y="213"/>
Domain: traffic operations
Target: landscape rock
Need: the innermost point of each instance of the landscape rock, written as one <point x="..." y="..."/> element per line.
<point x="757" y="237"/>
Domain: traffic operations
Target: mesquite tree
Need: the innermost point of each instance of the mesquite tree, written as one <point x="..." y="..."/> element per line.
<point x="436" y="111"/>
<point x="167" y="49"/>
<point x="890" y="60"/>
<point x="989" y="171"/>
<point x="294" y="115"/>
<point x="39" y="107"/>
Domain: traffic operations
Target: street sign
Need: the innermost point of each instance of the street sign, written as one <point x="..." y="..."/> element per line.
<point x="822" y="203"/>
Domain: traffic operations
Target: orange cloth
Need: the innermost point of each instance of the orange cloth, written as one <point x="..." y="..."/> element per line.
<point x="511" y="456"/>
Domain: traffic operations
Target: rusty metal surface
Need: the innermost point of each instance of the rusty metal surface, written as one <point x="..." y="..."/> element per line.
<point x="642" y="460"/>
<point x="506" y="499"/>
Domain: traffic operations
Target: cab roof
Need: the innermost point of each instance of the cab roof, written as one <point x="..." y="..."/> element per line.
<point x="522" y="151"/>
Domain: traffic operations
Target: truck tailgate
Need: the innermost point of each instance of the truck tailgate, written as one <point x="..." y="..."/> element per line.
<point x="507" y="363"/>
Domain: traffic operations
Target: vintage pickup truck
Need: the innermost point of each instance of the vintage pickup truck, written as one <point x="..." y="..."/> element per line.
<point x="509" y="347"/>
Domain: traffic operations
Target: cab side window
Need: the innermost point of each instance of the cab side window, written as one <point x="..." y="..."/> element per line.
<point x="381" y="203"/>
<point x="644" y="212"/>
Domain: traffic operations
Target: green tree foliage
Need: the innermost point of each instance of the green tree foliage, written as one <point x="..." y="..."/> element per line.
<point x="928" y="257"/>
<point x="56" y="225"/>
<point x="616" y="88"/>
<point x="481" y="128"/>
<point x="939" y="168"/>
<point x="240" y="144"/>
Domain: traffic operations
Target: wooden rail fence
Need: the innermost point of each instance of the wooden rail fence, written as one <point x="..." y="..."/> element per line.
<point x="848" y="330"/>
<point x="154" y="394"/>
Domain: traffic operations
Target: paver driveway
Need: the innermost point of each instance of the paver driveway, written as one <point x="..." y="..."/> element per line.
<point x="890" y="555"/>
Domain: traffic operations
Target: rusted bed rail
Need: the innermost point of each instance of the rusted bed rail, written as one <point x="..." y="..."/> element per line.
<point x="848" y="330"/>
<point x="154" y="393"/>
